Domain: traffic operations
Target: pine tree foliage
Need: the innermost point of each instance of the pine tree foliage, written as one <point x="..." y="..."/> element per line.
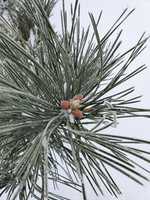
<point x="57" y="96"/>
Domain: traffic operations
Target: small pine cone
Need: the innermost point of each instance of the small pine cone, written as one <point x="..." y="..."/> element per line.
<point x="77" y="114"/>
<point x="65" y="104"/>
<point x="78" y="97"/>
<point x="74" y="104"/>
<point x="25" y="24"/>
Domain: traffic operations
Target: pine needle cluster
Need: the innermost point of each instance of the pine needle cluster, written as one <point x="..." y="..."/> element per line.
<point x="57" y="97"/>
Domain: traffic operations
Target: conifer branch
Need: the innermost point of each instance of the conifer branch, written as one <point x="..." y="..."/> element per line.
<point x="57" y="96"/>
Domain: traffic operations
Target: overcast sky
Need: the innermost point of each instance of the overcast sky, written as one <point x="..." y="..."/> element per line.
<point x="137" y="23"/>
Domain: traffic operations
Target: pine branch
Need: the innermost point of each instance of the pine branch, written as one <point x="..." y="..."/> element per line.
<point x="57" y="96"/>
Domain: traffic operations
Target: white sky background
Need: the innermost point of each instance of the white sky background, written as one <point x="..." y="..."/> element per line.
<point x="136" y="24"/>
